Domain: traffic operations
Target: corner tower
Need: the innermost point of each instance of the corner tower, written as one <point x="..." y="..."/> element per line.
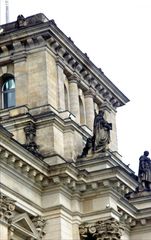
<point x="51" y="188"/>
<point x="51" y="83"/>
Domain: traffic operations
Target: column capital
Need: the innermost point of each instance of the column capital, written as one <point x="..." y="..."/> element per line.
<point x="74" y="78"/>
<point x="60" y="62"/>
<point x="106" y="229"/>
<point x="7" y="206"/>
<point x="89" y="93"/>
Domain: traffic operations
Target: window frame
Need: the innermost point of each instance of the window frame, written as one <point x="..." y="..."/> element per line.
<point x="6" y="78"/>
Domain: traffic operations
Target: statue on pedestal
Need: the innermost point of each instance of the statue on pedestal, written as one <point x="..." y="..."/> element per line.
<point x="144" y="172"/>
<point x="101" y="131"/>
<point x="101" y="135"/>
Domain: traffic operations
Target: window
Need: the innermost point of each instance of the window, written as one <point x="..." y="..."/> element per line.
<point x="8" y="91"/>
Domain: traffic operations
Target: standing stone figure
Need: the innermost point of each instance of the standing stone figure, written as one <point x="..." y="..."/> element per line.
<point x="101" y="129"/>
<point x="144" y="172"/>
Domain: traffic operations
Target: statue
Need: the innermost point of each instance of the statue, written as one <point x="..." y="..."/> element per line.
<point x="101" y="131"/>
<point x="144" y="172"/>
<point x="21" y="21"/>
<point x="101" y="135"/>
<point x="31" y="145"/>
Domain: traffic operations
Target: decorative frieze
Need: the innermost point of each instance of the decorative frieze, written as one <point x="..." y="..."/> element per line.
<point x="7" y="206"/>
<point x="109" y="229"/>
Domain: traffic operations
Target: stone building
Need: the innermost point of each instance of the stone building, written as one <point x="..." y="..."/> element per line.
<point x="55" y="184"/>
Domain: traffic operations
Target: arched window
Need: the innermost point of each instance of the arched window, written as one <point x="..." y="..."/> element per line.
<point x="8" y="91"/>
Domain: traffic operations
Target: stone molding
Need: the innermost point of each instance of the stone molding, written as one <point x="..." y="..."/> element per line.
<point x="21" y="165"/>
<point x="130" y="221"/>
<point x="31" y="227"/>
<point x="77" y="181"/>
<point x="126" y="218"/>
<point x="109" y="229"/>
<point x="7" y="207"/>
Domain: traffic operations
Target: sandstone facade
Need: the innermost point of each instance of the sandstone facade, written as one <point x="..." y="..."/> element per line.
<point x="47" y="190"/>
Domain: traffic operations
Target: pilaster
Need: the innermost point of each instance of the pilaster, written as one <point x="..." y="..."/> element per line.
<point x="21" y="80"/>
<point x="61" y="79"/>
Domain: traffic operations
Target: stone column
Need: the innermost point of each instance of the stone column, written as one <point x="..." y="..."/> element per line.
<point x="7" y="206"/>
<point x="74" y="96"/>
<point x="89" y="108"/>
<point x="61" y="78"/>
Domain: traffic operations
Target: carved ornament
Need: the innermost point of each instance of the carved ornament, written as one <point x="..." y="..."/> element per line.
<point x="109" y="229"/>
<point x="7" y="206"/>
<point x="39" y="224"/>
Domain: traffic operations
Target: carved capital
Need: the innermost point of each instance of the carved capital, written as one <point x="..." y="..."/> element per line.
<point x="89" y="93"/>
<point x="73" y="78"/>
<point x="108" y="229"/>
<point x="39" y="223"/>
<point x="7" y="206"/>
<point x="60" y="62"/>
<point x="106" y="106"/>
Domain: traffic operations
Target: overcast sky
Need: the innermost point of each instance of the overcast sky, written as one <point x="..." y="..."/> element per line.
<point x="116" y="35"/>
